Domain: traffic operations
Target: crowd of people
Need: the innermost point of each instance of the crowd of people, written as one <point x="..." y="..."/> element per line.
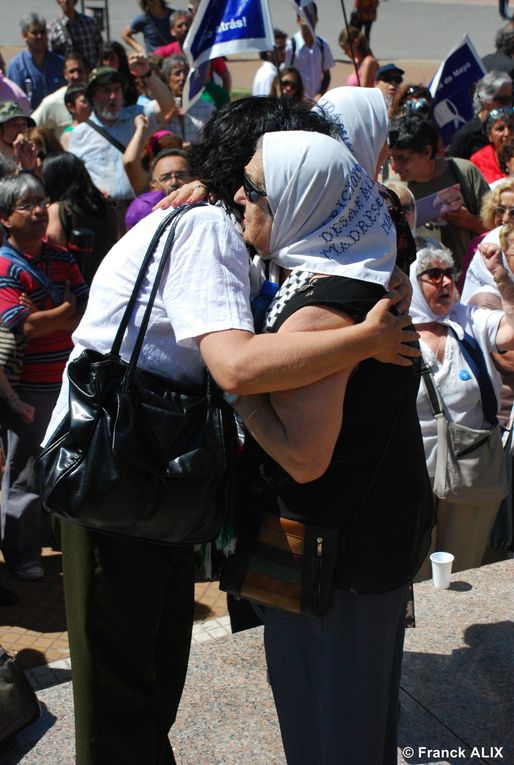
<point x="345" y="198"/>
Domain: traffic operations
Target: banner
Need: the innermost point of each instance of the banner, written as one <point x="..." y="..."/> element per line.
<point x="452" y="88"/>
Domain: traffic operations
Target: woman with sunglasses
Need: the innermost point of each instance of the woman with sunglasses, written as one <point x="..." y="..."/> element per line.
<point x="441" y="322"/>
<point x="288" y="83"/>
<point x="500" y="130"/>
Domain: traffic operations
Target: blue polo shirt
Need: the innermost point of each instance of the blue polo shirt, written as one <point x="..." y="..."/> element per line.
<point x="43" y="81"/>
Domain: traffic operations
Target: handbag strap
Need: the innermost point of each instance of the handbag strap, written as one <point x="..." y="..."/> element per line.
<point x="475" y="359"/>
<point x="108" y="137"/>
<point x="173" y="218"/>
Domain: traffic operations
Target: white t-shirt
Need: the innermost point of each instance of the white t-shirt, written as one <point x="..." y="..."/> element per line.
<point x="455" y="381"/>
<point x="310" y="62"/>
<point x="263" y="79"/>
<point x="204" y="288"/>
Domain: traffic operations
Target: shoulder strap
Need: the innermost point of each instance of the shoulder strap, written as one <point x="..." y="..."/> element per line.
<point x="108" y="137"/>
<point x="173" y="218"/>
<point x="432" y="392"/>
<point x="18" y="260"/>
<point x="457" y="177"/>
<point x="157" y="30"/>
<point x="475" y="359"/>
<point x="322" y="49"/>
<point x="293" y="50"/>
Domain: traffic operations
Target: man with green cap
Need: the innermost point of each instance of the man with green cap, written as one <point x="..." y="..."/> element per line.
<point x="13" y="121"/>
<point x="101" y="140"/>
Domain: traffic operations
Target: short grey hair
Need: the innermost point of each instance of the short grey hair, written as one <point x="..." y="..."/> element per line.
<point x="31" y="19"/>
<point x="171" y="62"/>
<point x="15" y="186"/>
<point x="427" y="256"/>
<point x="488" y="87"/>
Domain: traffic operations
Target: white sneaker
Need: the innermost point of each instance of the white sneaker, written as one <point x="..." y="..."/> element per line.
<point x="29" y="571"/>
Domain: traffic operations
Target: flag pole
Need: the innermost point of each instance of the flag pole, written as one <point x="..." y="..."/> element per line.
<point x="352" y="55"/>
<point x="275" y="54"/>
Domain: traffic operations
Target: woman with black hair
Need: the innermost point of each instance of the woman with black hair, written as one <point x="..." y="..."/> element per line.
<point x="80" y="218"/>
<point x="114" y="55"/>
<point x="153" y="23"/>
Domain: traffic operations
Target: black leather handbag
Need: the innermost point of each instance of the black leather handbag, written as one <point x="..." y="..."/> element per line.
<point x="139" y="455"/>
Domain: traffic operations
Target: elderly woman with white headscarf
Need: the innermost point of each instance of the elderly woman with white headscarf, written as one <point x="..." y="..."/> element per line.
<point x="311" y="208"/>
<point x="363" y="123"/>
<point x="457" y="341"/>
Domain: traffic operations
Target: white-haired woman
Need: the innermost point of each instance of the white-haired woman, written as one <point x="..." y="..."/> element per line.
<point x="335" y="678"/>
<point x="448" y="329"/>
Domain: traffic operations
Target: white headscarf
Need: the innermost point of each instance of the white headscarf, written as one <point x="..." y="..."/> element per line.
<point x="421" y="313"/>
<point x="478" y="276"/>
<point x="327" y="215"/>
<point x="361" y="115"/>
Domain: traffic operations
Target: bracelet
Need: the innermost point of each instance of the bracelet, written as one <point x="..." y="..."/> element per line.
<point x="254" y="411"/>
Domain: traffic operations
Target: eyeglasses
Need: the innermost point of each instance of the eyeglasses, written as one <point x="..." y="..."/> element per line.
<point x="436" y="275"/>
<point x="396" y="79"/>
<point x="252" y="193"/>
<point x="501" y="210"/>
<point x="502" y="112"/>
<point x="31" y="204"/>
<point x="289" y="84"/>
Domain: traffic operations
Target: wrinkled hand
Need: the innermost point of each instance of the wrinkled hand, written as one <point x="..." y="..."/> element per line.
<point x="400" y="284"/>
<point x="25" y="151"/>
<point x="392" y="334"/>
<point x="492" y="257"/>
<point x="24" y="411"/>
<point x="190" y="193"/>
<point x="27" y="303"/>
<point x="139" y="64"/>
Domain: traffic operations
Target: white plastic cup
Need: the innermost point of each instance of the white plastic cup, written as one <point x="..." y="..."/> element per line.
<point x="441" y="569"/>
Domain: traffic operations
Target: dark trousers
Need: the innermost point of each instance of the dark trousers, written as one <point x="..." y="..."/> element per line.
<point x="336" y="680"/>
<point x="129" y="609"/>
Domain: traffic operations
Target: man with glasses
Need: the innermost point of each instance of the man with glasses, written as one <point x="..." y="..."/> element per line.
<point x="413" y="145"/>
<point x="37" y="70"/>
<point x="388" y="80"/>
<point x="49" y="277"/>
<point x="168" y="172"/>
<point x="493" y="91"/>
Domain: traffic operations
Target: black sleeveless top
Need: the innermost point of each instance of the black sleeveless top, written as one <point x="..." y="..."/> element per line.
<point x="376" y="490"/>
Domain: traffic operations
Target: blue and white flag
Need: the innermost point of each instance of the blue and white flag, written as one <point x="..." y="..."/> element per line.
<point x="305" y="9"/>
<point x="222" y="27"/>
<point x="452" y="86"/>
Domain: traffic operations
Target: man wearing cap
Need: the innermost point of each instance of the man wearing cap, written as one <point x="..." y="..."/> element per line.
<point x="388" y="80"/>
<point x="13" y="121"/>
<point x="37" y="70"/>
<point x="52" y="113"/>
<point x="101" y="140"/>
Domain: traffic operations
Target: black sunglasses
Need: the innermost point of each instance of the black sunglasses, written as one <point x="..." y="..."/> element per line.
<point x="436" y="275"/>
<point x="252" y="192"/>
